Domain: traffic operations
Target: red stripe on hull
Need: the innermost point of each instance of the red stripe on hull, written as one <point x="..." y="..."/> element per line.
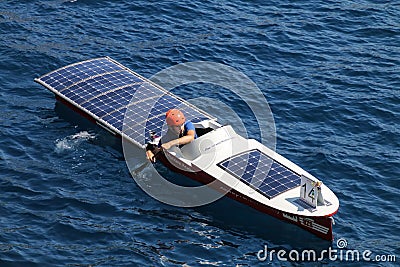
<point x="74" y="108"/>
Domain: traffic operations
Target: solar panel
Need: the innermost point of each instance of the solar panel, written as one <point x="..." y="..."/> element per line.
<point x="118" y="97"/>
<point x="65" y="77"/>
<point x="261" y="172"/>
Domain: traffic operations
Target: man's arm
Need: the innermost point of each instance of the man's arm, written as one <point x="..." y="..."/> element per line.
<point x="180" y="141"/>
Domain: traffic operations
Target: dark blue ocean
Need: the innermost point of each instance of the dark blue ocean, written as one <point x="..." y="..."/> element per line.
<point x="330" y="71"/>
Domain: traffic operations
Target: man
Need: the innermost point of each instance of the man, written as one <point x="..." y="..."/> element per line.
<point x="180" y="132"/>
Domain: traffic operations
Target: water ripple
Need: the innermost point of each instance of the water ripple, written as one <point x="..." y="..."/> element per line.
<point x="330" y="71"/>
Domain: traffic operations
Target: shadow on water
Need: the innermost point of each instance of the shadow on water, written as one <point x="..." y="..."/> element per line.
<point x="104" y="138"/>
<point x="247" y="223"/>
<point x="225" y="213"/>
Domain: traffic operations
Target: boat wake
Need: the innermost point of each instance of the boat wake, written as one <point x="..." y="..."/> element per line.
<point x="73" y="141"/>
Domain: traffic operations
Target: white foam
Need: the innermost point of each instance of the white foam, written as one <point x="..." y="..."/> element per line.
<point x="73" y="141"/>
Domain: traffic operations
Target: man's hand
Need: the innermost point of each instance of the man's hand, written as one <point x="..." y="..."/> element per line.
<point x="150" y="156"/>
<point x="167" y="145"/>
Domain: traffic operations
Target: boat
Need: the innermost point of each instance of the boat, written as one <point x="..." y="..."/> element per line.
<point x="104" y="91"/>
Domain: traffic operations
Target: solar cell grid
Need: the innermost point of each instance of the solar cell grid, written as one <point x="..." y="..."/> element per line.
<point x="79" y="97"/>
<point x="261" y="172"/>
<point x="64" y="77"/>
<point x="107" y="90"/>
<point x="123" y="94"/>
<point x="75" y="97"/>
<point x="115" y="119"/>
<point x="163" y="104"/>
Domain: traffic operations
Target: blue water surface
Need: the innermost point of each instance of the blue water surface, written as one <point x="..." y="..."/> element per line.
<point x="330" y="71"/>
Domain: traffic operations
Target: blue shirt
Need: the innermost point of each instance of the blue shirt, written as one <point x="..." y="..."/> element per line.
<point x="187" y="127"/>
